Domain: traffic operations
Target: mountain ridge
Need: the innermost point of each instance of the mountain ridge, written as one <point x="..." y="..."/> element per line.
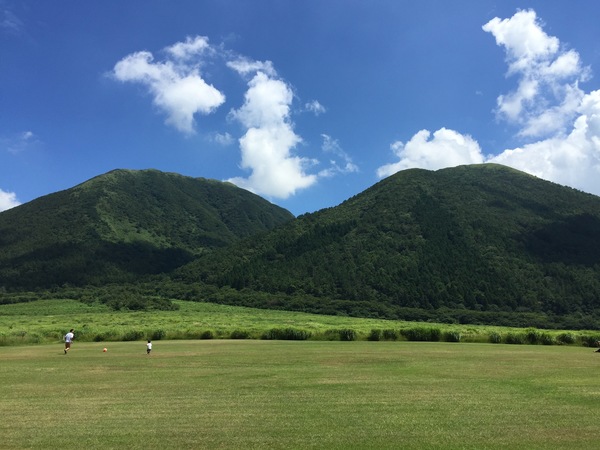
<point x="472" y="237"/>
<point x="152" y="220"/>
<point x="483" y="239"/>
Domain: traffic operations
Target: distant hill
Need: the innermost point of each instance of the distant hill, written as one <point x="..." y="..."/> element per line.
<point x="479" y="237"/>
<point x="479" y="243"/>
<point x="123" y="225"/>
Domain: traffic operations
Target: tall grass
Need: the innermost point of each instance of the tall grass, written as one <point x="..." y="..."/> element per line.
<point x="46" y="321"/>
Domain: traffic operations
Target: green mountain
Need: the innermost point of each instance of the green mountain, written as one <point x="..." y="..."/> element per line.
<point x="479" y="243"/>
<point x="479" y="238"/>
<point x="123" y="225"/>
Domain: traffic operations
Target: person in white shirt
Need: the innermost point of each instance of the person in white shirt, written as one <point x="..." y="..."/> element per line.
<point x="68" y="339"/>
<point x="148" y="347"/>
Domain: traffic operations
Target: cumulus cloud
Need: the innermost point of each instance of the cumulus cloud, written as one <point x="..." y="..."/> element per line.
<point x="176" y="84"/>
<point x="547" y="96"/>
<point x="269" y="142"/>
<point x="245" y="66"/>
<point x="270" y="138"/>
<point x="572" y="159"/>
<point x="192" y="47"/>
<point x="8" y="200"/>
<point x="446" y="148"/>
<point x="558" y="121"/>
<point x="549" y="104"/>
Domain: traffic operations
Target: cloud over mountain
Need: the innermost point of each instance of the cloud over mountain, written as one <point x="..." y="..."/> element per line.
<point x="270" y="138"/>
<point x="269" y="141"/>
<point x="8" y="200"/>
<point x="558" y="122"/>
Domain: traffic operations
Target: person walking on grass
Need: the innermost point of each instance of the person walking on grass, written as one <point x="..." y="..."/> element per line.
<point x="68" y="339"/>
<point x="148" y="347"/>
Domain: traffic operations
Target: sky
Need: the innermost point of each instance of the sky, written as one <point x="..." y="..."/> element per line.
<point x="305" y="103"/>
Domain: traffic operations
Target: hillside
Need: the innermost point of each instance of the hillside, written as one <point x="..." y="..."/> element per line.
<point x="124" y="224"/>
<point x="480" y="243"/>
<point x="480" y="238"/>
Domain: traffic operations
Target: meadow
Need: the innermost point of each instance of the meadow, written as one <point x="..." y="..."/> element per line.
<point x="319" y="393"/>
<point x="46" y="321"/>
<point x="257" y="394"/>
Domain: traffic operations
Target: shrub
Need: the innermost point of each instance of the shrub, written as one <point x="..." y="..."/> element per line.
<point x="565" y="338"/>
<point x="157" y="335"/>
<point x="515" y="338"/>
<point x="390" y="335"/>
<point x="546" y="339"/>
<point x="106" y="336"/>
<point x="207" y="335"/>
<point x="532" y="336"/>
<point x="133" y="335"/>
<point x="421" y="334"/>
<point x="286" y="334"/>
<point x="347" y="334"/>
<point x="589" y="341"/>
<point x="239" y="334"/>
<point x="451" y="336"/>
<point x="495" y="338"/>
<point x="331" y="335"/>
<point x="374" y="335"/>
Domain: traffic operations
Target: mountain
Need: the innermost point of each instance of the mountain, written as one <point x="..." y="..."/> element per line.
<point x="479" y="238"/>
<point x="479" y="243"/>
<point x="125" y="224"/>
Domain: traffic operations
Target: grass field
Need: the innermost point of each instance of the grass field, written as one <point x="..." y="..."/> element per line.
<point x="46" y="321"/>
<point x="253" y="394"/>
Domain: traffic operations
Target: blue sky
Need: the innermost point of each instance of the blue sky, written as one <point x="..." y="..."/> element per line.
<point x="306" y="103"/>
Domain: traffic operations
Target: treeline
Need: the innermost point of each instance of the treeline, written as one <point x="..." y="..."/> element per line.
<point x="491" y="241"/>
<point x="159" y="296"/>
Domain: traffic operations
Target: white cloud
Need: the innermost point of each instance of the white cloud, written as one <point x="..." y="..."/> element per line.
<point x="525" y="42"/>
<point x="547" y="95"/>
<point x="572" y="159"/>
<point x="267" y="103"/>
<point x="547" y="105"/>
<point x="447" y="148"/>
<point x="315" y="107"/>
<point x="245" y="66"/>
<point x="268" y="143"/>
<point x="223" y="139"/>
<point x="8" y="200"/>
<point x="20" y="143"/>
<point x="190" y="48"/>
<point x="176" y="84"/>
<point x="346" y="165"/>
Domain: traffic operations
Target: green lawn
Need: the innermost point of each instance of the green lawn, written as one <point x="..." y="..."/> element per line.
<point x="252" y="394"/>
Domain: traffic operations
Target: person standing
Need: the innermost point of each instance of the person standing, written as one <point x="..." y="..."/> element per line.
<point x="68" y="339"/>
<point x="148" y="347"/>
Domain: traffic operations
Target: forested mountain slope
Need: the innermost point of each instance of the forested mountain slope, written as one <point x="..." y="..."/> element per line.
<point x="125" y="224"/>
<point x="480" y="237"/>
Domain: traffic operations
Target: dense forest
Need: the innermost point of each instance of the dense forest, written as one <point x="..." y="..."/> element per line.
<point x="471" y="244"/>
<point x="123" y="225"/>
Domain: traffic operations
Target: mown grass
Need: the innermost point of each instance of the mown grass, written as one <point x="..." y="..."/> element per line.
<point x="255" y="394"/>
<point x="46" y="321"/>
